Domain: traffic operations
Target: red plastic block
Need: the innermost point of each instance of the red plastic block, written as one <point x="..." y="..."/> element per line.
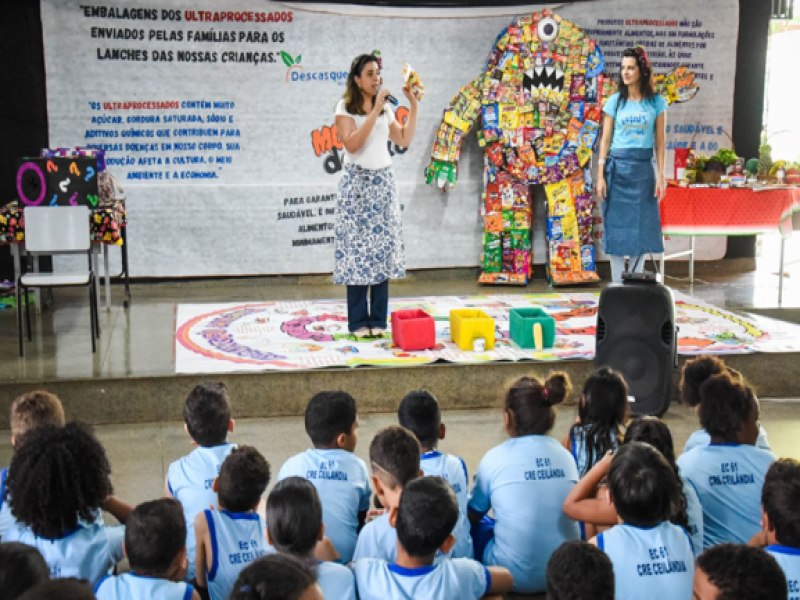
<point x="413" y="329"/>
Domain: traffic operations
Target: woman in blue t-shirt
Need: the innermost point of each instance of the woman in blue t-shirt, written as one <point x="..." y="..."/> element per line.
<point x="633" y="125"/>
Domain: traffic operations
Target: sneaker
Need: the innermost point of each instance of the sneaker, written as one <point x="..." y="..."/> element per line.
<point x="378" y="331"/>
<point x="362" y="333"/>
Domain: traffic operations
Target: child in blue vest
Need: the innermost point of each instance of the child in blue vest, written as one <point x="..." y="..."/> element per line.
<point x="780" y="520"/>
<point x="652" y="557"/>
<point x="579" y="571"/>
<point x="424" y="519"/>
<point x="155" y="544"/>
<point x="419" y="412"/>
<point x="231" y="537"/>
<point x="294" y="518"/>
<point x="28" y="411"/>
<point x="588" y="500"/>
<point x="394" y="455"/>
<point x="36" y="409"/>
<point x="58" y="479"/>
<point x="694" y="374"/>
<point x="737" y="572"/>
<point x="602" y="412"/>
<point x="207" y="420"/>
<point x="524" y="481"/>
<point x="340" y="477"/>
<point x="728" y="473"/>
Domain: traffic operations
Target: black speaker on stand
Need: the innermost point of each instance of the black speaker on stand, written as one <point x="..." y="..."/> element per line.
<point x="636" y="335"/>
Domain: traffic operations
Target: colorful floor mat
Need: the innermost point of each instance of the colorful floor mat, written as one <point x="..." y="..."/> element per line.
<point x="261" y="336"/>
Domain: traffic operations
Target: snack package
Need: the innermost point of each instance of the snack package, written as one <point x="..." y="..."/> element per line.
<point x="413" y="81"/>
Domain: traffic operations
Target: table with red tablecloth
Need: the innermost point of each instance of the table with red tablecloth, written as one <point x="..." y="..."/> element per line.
<point x="693" y="211"/>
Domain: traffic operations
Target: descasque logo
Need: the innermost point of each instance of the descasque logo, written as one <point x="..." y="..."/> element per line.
<point x="297" y="73"/>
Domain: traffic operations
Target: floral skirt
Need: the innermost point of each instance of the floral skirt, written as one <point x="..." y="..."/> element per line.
<point x="368" y="246"/>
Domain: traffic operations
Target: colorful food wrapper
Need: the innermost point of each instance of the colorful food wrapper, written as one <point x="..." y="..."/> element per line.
<point x="413" y="81"/>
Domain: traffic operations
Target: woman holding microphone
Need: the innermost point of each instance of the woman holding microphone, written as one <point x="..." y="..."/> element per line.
<point x="368" y="247"/>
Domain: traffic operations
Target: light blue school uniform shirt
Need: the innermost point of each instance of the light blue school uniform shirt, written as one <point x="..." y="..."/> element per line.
<point x="789" y="561"/>
<point x="635" y="121"/>
<point x="336" y="581"/>
<point x="450" y="579"/>
<point x="129" y="586"/>
<point x="728" y="479"/>
<point x="342" y="481"/>
<point x="694" y="514"/>
<point x="377" y="539"/>
<point x="577" y="437"/>
<point x="454" y="471"/>
<point x="701" y="438"/>
<point x="6" y="518"/>
<point x="88" y="552"/>
<point x="190" y="480"/>
<point x="525" y="480"/>
<point x="656" y="563"/>
<point x="237" y="539"/>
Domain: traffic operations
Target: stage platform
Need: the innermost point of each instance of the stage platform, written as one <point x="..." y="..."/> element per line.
<point x="133" y="379"/>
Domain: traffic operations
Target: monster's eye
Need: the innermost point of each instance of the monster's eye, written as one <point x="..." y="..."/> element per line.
<point x="547" y="29"/>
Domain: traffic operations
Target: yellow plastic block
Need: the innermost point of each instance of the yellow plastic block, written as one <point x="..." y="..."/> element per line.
<point x="468" y="324"/>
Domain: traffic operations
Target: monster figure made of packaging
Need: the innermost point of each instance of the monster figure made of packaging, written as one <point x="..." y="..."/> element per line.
<point x="539" y="104"/>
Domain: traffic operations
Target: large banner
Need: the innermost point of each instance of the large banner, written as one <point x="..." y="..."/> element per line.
<point x="217" y="117"/>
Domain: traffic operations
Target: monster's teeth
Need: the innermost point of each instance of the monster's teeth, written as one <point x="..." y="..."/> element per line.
<point x="559" y="74"/>
<point x="539" y="71"/>
<point x="549" y="71"/>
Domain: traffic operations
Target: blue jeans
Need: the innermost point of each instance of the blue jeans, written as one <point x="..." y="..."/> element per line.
<point x="359" y="314"/>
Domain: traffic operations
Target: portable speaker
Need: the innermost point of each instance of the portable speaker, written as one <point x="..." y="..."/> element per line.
<point x="636" y="335"/>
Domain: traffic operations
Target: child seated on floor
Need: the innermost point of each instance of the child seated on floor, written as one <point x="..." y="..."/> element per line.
<point x="424" y="520"/>
<point x="602" y="413"/>
<point x="36" y="409"/>
<point x="57" y="481"/>
<point x="155" y="544"/>
<point x="394" y="455"/>
<point x="737" y="572"/>
<point x="579" y="571"/>
<point x="524" y="481"/>
<point x="419" y="412"/>
<point x="588" y="500"/>
<point x="340" y="477"/>
<point x="695" y="372"/>
<point x="231" y="537"/>
<point x="28" y="411"/>
<point x="276" y="577"/>
<point x="780" y="519"/>
<point x="728" y="474"/>
<point x="652" y="557"/>
<point x="294" y="517"/>
<point x="207" y="420"/>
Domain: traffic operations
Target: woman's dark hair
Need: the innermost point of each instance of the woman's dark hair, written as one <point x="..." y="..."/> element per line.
<point x="273" y="577"/>
<point x="353" y="98"/>
<point x="646" y="87"/>
<point x="644" y="487"/>
<point x="21" y="567"/>
<point x="603" y="409"/>
<point x="529" y="403"/>
<point x="653" y="431"/>
<point x="725" y="406"/>
<point x="60" y="475"/>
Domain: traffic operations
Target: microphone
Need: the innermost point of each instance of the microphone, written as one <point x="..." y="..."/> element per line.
<point x="392" y="99"/>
